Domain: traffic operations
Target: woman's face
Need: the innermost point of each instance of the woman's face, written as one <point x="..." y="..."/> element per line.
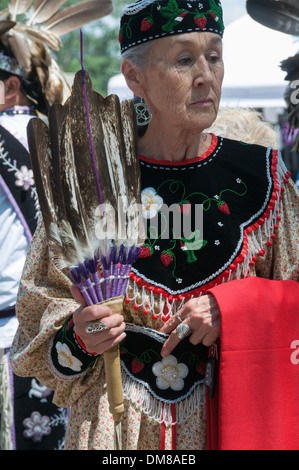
<point x="182" y="79"/>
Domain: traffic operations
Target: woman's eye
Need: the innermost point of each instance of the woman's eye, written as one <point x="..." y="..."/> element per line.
<point x="214" y="58"/>
<point x="185" y="60"/>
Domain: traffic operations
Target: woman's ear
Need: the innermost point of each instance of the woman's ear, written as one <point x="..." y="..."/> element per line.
<point x="12" y="87"/>
<point x="132" y="76"/>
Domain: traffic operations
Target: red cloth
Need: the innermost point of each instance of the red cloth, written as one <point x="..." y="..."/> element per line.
<point x="258" y="386"/>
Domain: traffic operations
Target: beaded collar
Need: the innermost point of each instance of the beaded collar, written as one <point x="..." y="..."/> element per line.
<point x="17" y="112"/>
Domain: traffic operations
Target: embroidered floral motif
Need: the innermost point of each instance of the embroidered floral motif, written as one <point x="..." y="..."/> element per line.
<point x="170" y="373"/>
<point x="37" y="426"/>
<point x="151" y="202"/>
<point x="66" y="359"/>
<point x="24" y="178"/>
<point x="39" y="390"/>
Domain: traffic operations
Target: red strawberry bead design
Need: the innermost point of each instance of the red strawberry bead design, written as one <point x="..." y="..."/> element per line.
<point x="223" y="207"/>
<point x="166" y="258"/>
<point x="145" y="251"/>
<point x="137" y="366"/>
<point x="146" y="24"/>
<point x="185" y="208"/>
<point x="201" y="369"/>
<point x="201" y="22"/>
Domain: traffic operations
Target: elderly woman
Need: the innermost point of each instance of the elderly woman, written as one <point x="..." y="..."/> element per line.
<point x="232" y="276"/>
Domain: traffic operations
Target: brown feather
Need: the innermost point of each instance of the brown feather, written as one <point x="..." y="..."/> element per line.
<point x="78" y="15"/>
<point x="41" y="159"/>
<point x="45" y="37"/>
<point x="114" y="139"/>
<point x="6" y="25"/>
<point x="42" y="10"/>
<point x="18" y="7"/>
<point x="20" y="48"/>
<point x="71" y="177"/>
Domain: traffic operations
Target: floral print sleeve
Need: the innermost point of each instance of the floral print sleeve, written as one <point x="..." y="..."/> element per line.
<point x="281" y="258"/>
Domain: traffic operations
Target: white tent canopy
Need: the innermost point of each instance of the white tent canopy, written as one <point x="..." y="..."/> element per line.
<point x="252" y="57"/>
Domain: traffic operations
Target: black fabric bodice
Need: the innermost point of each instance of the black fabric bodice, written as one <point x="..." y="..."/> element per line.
<point x="231" y="187"/>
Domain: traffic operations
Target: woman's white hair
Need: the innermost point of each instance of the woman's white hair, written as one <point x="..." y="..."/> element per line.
<point x="244" y="124"/>
<point x="138" y="55"/>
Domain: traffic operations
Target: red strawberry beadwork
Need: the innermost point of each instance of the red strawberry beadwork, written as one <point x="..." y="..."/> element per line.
<point x="146" y="24"/>
<point x="201" y="22"/>
<point x="201" y="369"/>
<point x="185" y="208"/>
<point x="223" y="207"/>
<point x="145" y="252"/>
<point x="137" y="366"/>
<point x="166" y="259"/>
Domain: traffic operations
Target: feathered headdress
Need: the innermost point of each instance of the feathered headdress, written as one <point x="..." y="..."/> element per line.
<point x="31" y="29"/>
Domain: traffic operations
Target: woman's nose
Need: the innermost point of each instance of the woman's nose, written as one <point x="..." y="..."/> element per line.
<point x="204" y="76"/>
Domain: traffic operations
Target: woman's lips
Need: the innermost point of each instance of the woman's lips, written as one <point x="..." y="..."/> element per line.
<point x="204" y="102"/>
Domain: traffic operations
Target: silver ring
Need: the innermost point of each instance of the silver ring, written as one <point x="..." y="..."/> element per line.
<point x="179" y="318"/>
<point x="96" y="327"/>
<point x="182" y="330"/>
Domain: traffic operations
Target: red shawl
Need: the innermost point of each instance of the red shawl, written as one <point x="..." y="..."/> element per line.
<point x="256" y="404"/>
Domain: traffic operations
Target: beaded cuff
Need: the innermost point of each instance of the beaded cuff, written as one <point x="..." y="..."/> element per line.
<point x="68" y="355"/>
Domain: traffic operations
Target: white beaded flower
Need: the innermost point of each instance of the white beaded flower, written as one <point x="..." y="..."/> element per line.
<point x="66" y="359"/>
<point x="24" y="178"/>
<point x="151" y="202"/>
<point x="170" y="374"/>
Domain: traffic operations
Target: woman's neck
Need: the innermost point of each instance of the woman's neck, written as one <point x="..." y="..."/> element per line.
<point x="174" y="147"/>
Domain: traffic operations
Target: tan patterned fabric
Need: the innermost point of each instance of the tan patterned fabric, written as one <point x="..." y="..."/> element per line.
<point x="45" y="303"/>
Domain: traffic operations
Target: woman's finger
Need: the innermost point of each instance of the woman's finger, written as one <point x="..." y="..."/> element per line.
<point x="171" y="342"/>
<point x="77" y="295"/>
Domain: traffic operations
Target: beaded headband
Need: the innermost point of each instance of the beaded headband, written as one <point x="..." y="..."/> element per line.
<point x="146" y="20"/>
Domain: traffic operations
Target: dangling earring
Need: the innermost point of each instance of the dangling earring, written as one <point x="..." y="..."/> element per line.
<point x="143" y="112"/>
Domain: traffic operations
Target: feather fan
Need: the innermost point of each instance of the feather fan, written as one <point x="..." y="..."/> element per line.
<point x="87" y="177"/>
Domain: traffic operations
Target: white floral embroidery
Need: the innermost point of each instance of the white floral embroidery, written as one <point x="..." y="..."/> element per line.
<point x="238" y="180"/>
<point x="66" y="359"/>
<point x="36" y="426"/>
<point x="12" y="166"/>
<point x="151" y="202"/>
<point x="24" y="178"/>
<point x="170" y="374"/>
<point x="220" y="224"/>
<point x="217" y="242"/>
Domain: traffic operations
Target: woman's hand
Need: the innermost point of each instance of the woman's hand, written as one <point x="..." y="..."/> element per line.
<point x="103" y="340"/>
<point x="202" y="315"/>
